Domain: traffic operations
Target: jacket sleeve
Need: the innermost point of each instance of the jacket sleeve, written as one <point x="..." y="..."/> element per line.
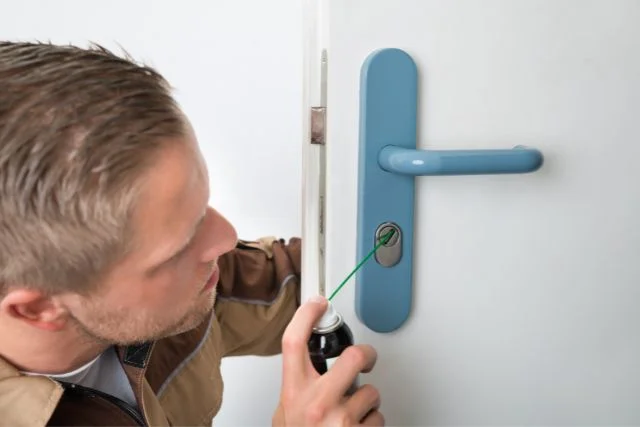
<point x="257" y="295"/>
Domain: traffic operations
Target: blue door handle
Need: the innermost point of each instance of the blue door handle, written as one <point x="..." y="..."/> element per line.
<point x="408" y="161"/>
<point x="388" y="162"/>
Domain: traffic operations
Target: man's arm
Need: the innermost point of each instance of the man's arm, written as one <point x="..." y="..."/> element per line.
<point x="258" y="294"/>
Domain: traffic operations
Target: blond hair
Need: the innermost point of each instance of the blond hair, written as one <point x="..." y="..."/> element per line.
<point x="78" y="127"/>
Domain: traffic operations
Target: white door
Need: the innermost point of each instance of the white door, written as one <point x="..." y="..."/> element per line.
<point x="526" y="287"/>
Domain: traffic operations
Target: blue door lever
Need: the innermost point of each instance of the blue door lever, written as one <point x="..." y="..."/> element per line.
<point x="407" y="161"/>
<point x="388" y="162"/>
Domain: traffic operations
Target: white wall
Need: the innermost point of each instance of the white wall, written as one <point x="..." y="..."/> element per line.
<point x="237" y="69"/>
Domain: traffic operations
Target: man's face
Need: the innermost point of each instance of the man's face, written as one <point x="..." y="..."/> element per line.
<point x="167" y="283"/>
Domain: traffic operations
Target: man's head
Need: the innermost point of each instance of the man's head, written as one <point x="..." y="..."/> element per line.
<point x="104" y="223"/>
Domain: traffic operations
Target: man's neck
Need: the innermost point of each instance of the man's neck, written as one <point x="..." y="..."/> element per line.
<point x="30" y="349"/>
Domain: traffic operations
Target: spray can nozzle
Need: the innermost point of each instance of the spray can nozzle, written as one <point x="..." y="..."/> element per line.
<point x="329" y="321"/>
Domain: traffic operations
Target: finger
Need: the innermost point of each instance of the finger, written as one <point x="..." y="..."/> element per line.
<point x="363" y="401"/>
<point x="353" y="360"/>
<point x="375" y="418"/>
<point x="295" y="354"/>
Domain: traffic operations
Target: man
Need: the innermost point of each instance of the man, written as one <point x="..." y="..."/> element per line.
<point x="120" y="289"/>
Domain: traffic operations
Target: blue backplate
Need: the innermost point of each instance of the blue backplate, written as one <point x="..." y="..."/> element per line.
<point x="388" y="103"/>
<point x="388" y="163"/>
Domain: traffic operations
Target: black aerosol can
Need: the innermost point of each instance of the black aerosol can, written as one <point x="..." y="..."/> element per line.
<point x="330" y="337"/>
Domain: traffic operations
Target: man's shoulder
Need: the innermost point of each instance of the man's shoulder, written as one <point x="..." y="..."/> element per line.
<point x="26" y="400"/>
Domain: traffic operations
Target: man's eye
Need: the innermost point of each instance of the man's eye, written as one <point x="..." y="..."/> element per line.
<point x="178" y="256"/>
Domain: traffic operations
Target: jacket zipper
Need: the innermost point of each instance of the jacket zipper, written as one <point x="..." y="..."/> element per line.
<point x="120" y="404"/>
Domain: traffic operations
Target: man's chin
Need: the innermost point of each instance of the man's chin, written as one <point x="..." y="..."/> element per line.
<point x="183" y="328"/>
<point x="191" y="321"/>
<point x="105" y="331"/>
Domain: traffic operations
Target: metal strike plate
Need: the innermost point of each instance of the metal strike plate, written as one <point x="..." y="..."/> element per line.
<point x="318" y="125"/>
<point x="389" y="253"/>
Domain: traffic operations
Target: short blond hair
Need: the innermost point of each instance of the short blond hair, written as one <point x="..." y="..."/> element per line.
<point x="78" y="127"/>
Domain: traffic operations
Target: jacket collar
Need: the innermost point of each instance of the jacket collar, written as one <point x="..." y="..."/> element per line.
<point x="26" y="400"/>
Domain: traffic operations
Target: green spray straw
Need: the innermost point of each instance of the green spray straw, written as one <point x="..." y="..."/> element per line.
<point x="383" y="240"/>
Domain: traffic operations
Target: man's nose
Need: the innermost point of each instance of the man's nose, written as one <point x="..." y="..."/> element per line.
<point x="221" y="236"/>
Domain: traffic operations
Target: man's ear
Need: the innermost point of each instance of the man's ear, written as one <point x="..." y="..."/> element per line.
<point x="35" y="308"/>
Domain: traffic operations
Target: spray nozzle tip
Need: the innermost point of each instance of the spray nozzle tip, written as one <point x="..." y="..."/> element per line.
<point x="329" y="318"/>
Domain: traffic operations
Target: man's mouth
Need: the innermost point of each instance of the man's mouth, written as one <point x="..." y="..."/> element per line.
<point x="213" y="280"/>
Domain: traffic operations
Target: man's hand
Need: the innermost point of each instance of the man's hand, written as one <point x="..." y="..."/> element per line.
<point x="309" y="399"/>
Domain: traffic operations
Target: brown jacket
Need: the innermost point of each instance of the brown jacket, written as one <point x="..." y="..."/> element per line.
<point x="177" y="380"/>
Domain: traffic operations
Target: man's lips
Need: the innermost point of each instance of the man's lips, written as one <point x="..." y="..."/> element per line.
<point x="213" y="280"/>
